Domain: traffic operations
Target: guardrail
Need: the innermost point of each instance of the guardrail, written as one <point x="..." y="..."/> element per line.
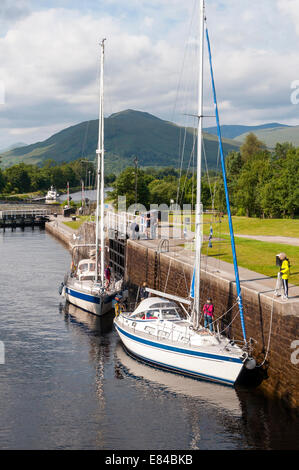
<point x="25" y="213"/>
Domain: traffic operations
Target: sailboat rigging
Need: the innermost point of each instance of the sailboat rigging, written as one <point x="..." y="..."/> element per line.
<point x="87" y="287"/>
<point x="156" y="331"/>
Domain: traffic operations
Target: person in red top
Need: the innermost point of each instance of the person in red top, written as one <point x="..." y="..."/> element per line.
<point x="208" y="310"/>
<point x="107" y="275"/>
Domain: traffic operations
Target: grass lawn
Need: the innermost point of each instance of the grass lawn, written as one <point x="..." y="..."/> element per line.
<point x="271" y="227"/>
<point x="76" y="224"/>
<point x="248" y="226"/>
<point x="255" y="255"/>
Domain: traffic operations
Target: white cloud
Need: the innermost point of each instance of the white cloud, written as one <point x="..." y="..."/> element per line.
<point x="50" y="61"/>
<point x="291" y="9"/>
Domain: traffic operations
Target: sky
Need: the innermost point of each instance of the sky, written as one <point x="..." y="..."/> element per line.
<point x="49" y="68"/>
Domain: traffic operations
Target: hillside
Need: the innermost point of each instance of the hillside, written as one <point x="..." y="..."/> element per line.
<point x="127" y="134"/>
<point x="271" y="136"/>
<point x="234" y="131"/>
<point x="12" y="147"/>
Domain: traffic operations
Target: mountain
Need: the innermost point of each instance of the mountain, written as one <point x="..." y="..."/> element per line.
<point x="271" y="136"/>
<point x="234" y="131"/>
<point x="127" y="134"/>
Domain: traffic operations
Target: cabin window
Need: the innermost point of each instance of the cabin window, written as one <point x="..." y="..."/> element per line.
<point x="152" y="314"/>
<point x="164" y="305"/>
<point x="138" y="316"/>
<point x="83" y="267"/>
<point x="149" y="315"/>
<point x="170" y="314"/>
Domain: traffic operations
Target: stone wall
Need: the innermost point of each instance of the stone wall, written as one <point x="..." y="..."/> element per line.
<point x="280" y="373"/>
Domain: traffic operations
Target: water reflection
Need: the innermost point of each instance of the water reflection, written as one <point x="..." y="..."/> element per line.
<point x="210" y="394"/>
<point x="178" y="412"/>
<point x="87" y="323"/>
<point x="90" y="194"/>
<point x="94" y="328"/>
<point x="197" y="398"/>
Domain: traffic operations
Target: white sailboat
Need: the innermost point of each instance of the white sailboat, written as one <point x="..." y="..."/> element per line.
<point x="87" y="287"/>
<point x="157" y="332"/>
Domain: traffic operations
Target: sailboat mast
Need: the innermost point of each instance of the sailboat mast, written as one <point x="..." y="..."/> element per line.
<point x="102" y="168"/>
<point x="100" y="175"/>
<point x="198" y="240"/>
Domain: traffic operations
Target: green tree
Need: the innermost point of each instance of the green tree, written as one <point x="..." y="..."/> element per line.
<point x="255" y="172"/>
<point x="289" y="184"/>
<point x="2" y="180"/>
<point x="124" y="185"/>
<point x="251" y="147"/>
<point x="161" y="192"/>
<point x="233" y="164"/>
<point x="282" y="150"/>
<point x="18" y="178"/>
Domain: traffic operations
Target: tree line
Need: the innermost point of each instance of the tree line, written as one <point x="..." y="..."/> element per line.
<point x="160" y="186"/>
<point x="25" y="178"/>
<point x="261" y="183"/>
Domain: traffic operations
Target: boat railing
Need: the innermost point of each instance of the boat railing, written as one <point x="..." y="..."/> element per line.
<point x="163" y="332"/>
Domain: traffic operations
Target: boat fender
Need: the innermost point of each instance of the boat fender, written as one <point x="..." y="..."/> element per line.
<point x="61" y="288"/>
<point x="250" y="363"/>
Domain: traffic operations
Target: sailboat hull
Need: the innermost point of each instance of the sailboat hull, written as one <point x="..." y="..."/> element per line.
<point x="180" y="358"/>
<point x="95" y="304"/>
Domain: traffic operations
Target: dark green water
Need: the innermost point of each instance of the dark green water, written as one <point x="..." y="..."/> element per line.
<point x="68" y="384"/>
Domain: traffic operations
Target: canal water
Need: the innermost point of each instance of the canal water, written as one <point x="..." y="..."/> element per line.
<point x="90" y="194"/>
<point x="67" y="383"/>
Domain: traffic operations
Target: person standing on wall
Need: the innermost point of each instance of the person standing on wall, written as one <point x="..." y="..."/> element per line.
<point x="148" y="225"/>
<point x="133" y="230"/>
<point x="285" y="274"/>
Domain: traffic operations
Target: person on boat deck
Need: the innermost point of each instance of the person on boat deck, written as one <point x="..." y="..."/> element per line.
<point x="73" y="268"/>
<point x="150" y="316"/>
<point x="116" y="305"/>
<point x="285" y="273"/>
<point x="107" y="275"/>
<point x="208" y="311"/>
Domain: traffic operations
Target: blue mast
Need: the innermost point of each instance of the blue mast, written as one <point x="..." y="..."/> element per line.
<point x="240" y="301"/>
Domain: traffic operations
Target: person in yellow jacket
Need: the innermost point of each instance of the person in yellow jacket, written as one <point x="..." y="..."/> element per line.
<point x="285" y="274"/>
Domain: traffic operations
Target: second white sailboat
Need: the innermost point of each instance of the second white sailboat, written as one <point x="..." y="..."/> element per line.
<point x="87" y="287"/>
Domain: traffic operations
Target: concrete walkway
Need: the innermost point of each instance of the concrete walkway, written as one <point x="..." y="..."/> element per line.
<point x="64" y="233"/>
<point x="263" y="285"/>
<point x="272" y="239"/>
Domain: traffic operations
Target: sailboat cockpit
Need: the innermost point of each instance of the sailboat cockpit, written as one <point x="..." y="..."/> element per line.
<point x="157" y="309"/>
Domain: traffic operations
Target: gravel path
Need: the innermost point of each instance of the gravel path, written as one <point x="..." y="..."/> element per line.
<point x="265" y="238"/>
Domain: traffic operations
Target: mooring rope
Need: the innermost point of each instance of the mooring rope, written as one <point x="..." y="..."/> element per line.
<point x="270" y="334"/>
